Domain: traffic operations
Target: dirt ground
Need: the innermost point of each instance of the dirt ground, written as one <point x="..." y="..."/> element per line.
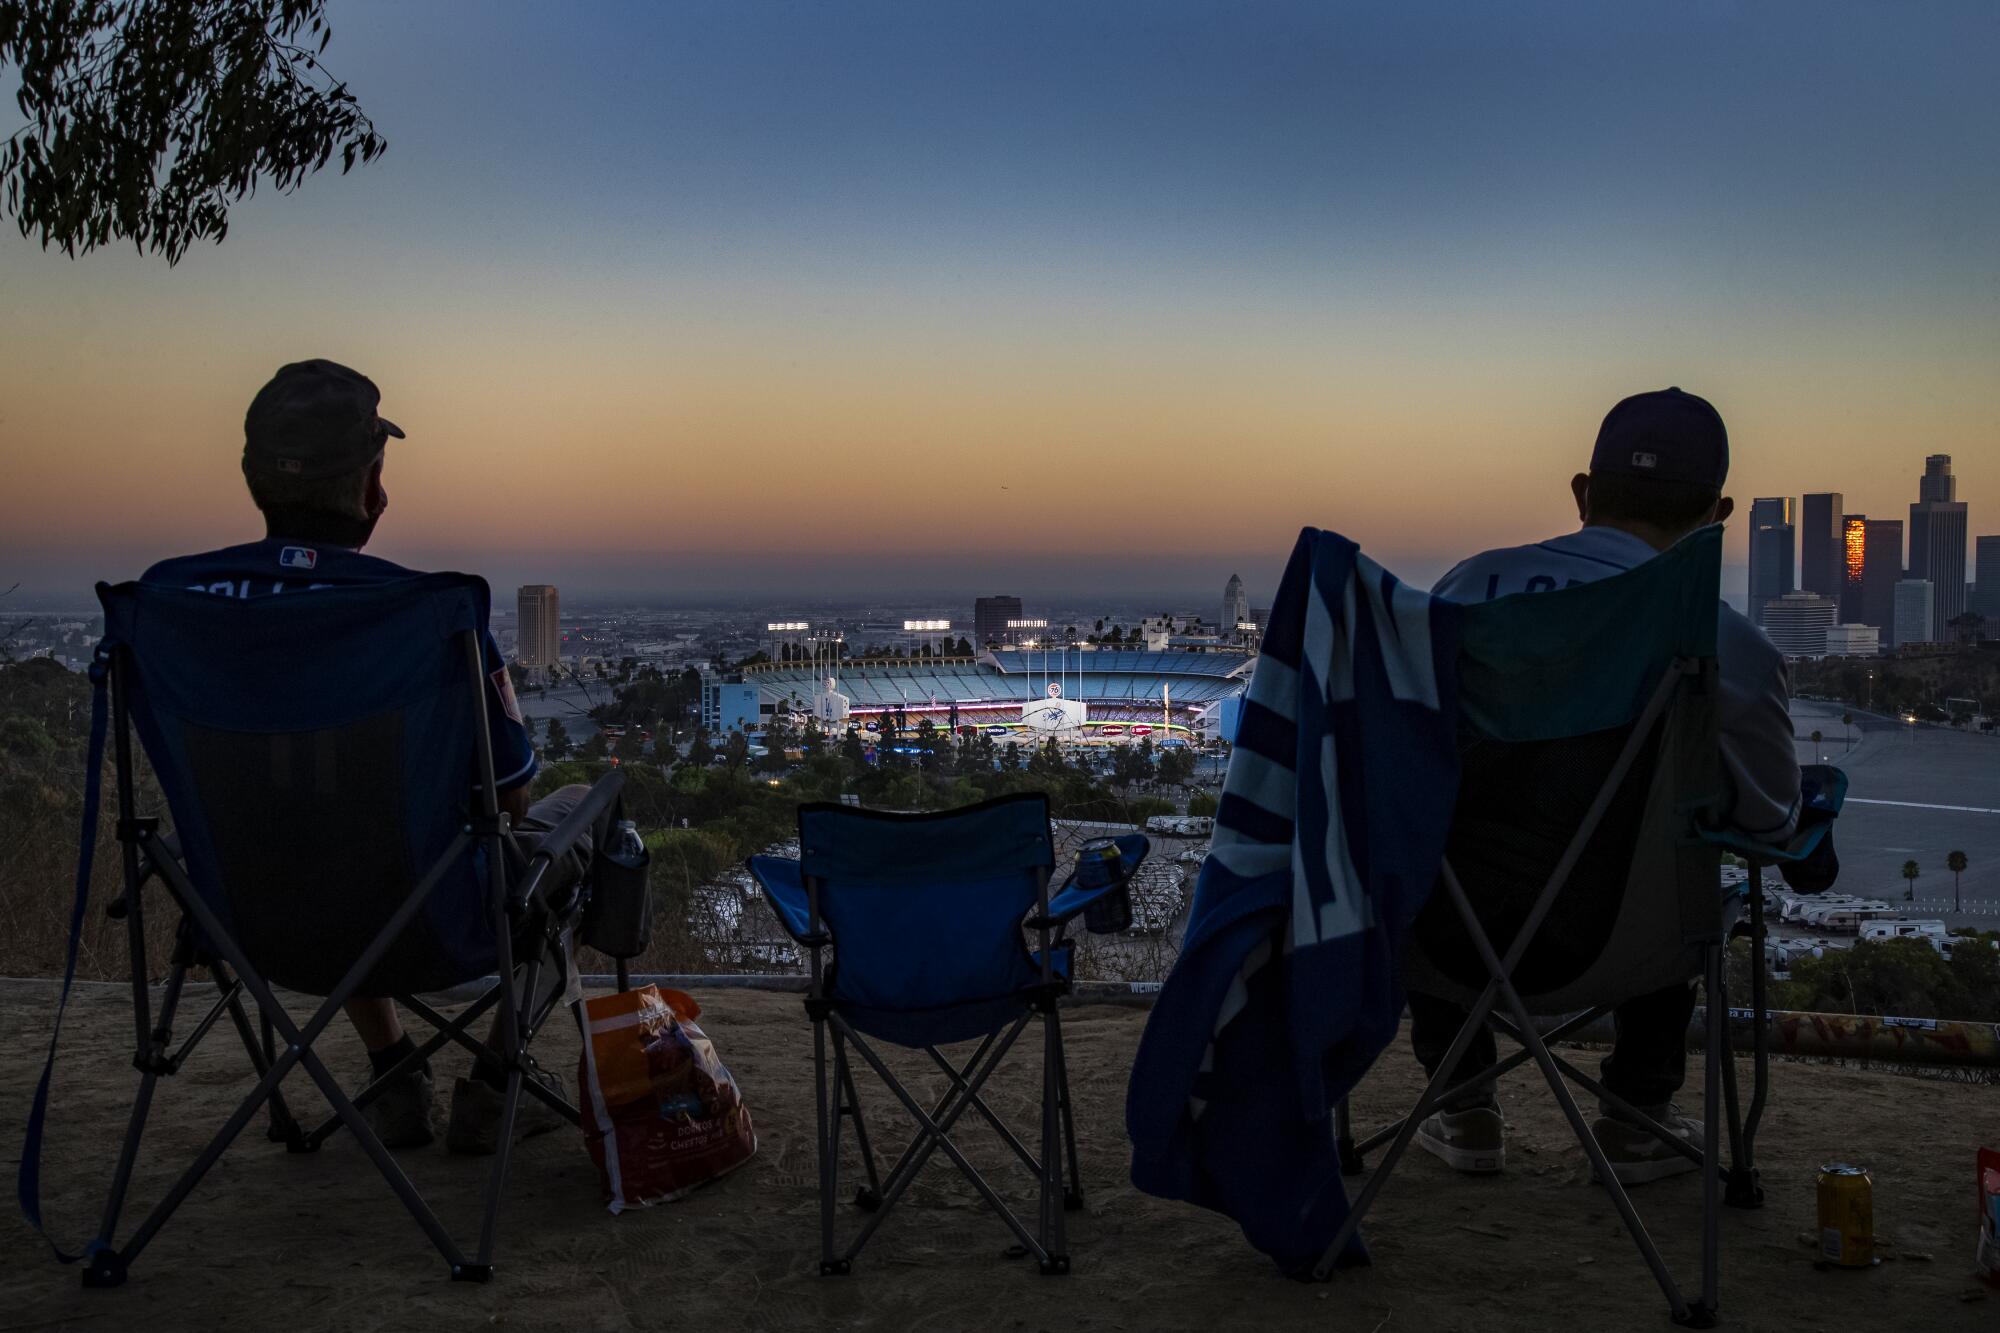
<point x="317" y="1242"/>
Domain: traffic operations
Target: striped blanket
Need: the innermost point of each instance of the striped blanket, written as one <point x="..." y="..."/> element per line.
<point x="1327" y="841"/>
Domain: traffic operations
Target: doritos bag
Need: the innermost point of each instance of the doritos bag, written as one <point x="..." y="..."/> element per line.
<point x="661" y="1114"/>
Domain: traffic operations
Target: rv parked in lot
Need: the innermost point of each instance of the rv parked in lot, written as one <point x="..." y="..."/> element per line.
<point x="1902" y="928"/>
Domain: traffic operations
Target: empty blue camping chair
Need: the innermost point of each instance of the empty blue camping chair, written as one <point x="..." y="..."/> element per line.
<point x="328" y="769"/>
<point x="917" y="930"/>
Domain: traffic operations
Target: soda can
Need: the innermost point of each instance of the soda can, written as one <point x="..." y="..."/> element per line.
<point x="1846" y="1216"/>
<point x="1098" y="865"/>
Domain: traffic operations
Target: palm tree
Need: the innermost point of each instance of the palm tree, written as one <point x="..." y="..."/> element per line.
<point x="1955" y="863"/>
<point x="1847" y="723"/>
<point x="1817" y="756"/>
<point x="1910" y="874"/>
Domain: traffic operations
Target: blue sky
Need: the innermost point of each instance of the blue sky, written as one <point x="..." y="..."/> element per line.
<point x="773" y="296"/>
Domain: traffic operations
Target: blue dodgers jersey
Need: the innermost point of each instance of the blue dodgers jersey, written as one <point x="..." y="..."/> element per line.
<point x="280" y="565"/>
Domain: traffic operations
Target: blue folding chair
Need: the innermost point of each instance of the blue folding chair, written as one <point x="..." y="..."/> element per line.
<point x="329" y="771"/>
<point x="914" y="927"/>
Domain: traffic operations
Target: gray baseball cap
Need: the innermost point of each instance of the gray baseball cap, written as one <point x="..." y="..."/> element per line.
<point x="315" y="419"/>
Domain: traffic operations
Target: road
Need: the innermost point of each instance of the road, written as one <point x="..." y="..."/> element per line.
<point x="1915" y="793"/>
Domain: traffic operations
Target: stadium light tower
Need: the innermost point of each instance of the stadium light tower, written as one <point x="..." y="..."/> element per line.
<point x="933" y="632"/>
<point x="1033" y="630"/>
<point x="786" y="636"/>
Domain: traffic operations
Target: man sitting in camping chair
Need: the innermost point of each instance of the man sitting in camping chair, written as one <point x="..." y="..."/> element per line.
<point x="313" y="452"/>
<point x="1655" y="476"/>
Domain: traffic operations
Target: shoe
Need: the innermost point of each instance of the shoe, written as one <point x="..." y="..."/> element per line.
<point x="1637" y="1155"/>
<point x="1472" y="1141"/>
<point x="475" y="1115"/>
<point x="400" y="1115"/>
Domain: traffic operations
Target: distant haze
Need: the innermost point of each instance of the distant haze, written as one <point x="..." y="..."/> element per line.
<point x="757" y="300"/>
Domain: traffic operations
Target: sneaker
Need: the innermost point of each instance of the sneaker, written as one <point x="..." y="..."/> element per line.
<point x="400" y="1115"/>
<point x="1637" y="1155"/>
<point x="475" y="1115"/>
<point x="1473" y="1141"/>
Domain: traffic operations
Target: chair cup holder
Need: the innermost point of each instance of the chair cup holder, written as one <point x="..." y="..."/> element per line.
<point x="618" y="921"/>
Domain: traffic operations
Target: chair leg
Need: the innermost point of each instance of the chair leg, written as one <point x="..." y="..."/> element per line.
<point x="514" y="1016"/>
<point x="1501" y="987"/>
<point x="1703" y="1314"/>
<point x="933" y="1133"/>
<point x="1676" y="1303"/>
<point x="107" y="1267"/>
<point x="1055" y="1262"/>
<point x="1760" y="1030"/>
<point x="1351" y="1161"/>
<point x="1073" y="1196"/>
<point x="829" y="1265"/>
<point x="1406" y="1131"/>
<point x="999" y="1126"/>
<point x="869" y="1197"/>
<point x="284" y="1126"/>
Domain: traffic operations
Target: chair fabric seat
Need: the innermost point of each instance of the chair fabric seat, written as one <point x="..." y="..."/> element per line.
<point x="944" y="1024"/>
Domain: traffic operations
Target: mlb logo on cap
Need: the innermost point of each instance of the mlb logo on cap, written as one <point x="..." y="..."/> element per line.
<point x="1645" y="460"/>
<point x="298" y="557"/>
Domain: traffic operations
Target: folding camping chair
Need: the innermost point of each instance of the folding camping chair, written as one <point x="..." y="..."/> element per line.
<point x="1582" y="845"/>
<point x="913" y="925"/>
<point x="336" y="832"/>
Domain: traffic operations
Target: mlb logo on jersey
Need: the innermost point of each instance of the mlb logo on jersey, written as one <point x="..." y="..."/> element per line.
<point x="298" y="557"/>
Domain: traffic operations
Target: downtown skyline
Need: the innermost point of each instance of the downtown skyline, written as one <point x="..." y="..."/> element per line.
<point x="763" y="301"/>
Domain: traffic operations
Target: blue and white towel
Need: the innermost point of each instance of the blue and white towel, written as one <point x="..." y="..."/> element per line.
<point x="1328" y="838"/>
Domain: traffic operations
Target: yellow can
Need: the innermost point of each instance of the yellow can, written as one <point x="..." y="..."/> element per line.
<point x="1846" y="1216"/>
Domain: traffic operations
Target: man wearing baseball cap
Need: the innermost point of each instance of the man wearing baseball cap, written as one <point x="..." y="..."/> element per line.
<point x="314" y="446"/>
<point x="1655" y="476"/>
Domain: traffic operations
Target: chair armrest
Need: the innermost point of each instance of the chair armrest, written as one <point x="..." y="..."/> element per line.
<point x="1072" y="900"/>
<point x="1133" y="848"/>
<point x="561" y="840"/>
<point x="784" y="888"/>
<point x="1802" y="845"/>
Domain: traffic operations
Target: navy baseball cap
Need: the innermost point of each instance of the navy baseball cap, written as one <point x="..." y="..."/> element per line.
<point x="315" y="419"/>
<point x="1667" y="435"/>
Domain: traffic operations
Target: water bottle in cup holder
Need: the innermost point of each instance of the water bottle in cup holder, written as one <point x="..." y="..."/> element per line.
<point x="619" y="919"/>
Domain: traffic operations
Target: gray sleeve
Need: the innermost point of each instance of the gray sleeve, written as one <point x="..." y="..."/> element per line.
<point x="1758" y="752"/>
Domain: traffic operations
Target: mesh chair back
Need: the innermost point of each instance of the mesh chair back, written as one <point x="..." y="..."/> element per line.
<point x="925" y="912"/>
<point x="1551" y="687"/>
<point x="317" y="753"/>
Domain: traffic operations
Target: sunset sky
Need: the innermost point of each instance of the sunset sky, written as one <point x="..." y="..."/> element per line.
<point x="774" y="300"/>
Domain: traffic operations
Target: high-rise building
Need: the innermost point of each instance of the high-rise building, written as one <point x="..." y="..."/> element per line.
<point x="1853" y="564"/>
<point x="1986" y="581"/>
<point x="1853" y="641"/>
<point x="1235" y="608"/>
<point x="538" y="635"/>
<point x="1820" y="548"/>
<point x="1937" y="483"/>
<point x="1913" y="612"/>
<point x="1937" y="555"/>
<point x="1937" y="541"/>
<point x="1797" y="623"/>
<point x="989" y="619"/>
<point x="1881" y="571"/>
<point x="1773" y="529"/>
